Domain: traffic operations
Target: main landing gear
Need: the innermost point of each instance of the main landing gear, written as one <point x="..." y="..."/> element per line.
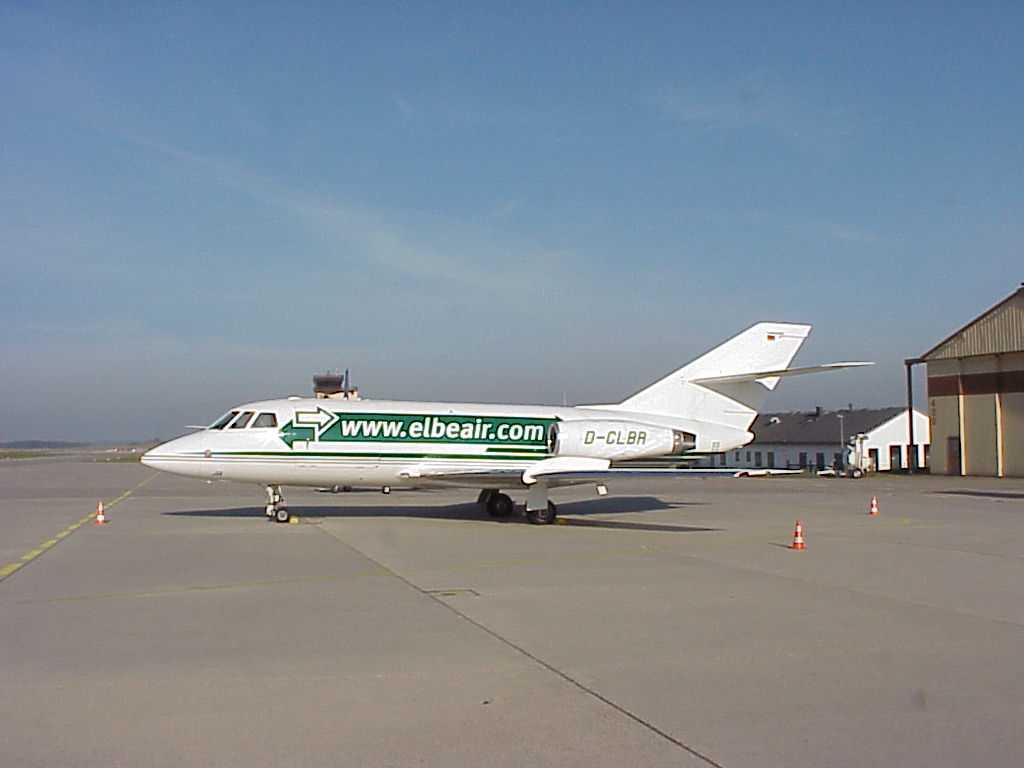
<point x="543" y="516"/>
<point x="496" y="503"/>
<point x="275" y="501"/>
<point x="499" y="505"/>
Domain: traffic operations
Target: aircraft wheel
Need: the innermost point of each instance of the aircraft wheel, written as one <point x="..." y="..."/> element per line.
<point x="542" y="516"/>
<point x="282" y="515"/>
<point x="500" y="505"/>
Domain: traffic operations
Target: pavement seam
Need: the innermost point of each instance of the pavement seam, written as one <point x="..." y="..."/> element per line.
<point x="436" y="598"/>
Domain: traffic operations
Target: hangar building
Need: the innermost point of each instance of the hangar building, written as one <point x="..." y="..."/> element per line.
<point x="976" y="394"/>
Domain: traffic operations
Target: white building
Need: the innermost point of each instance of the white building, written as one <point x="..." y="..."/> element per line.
<point x="818" y="439"/>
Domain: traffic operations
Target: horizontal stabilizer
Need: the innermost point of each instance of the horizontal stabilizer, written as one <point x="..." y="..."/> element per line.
<point x="758" y="375"/>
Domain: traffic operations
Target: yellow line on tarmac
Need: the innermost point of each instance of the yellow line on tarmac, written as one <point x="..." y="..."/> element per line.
<point x="31" y="555"/>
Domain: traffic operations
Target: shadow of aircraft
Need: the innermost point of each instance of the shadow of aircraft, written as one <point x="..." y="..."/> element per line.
<point x="579" y="511"/>
<point x="983" y="494"/>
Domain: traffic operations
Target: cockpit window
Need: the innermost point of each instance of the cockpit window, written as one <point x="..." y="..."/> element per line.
<point x="224" y="420"/>
<point x="242" y="421"/>
<point x="265" y="420"/>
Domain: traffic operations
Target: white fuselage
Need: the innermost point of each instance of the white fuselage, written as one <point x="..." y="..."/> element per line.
<point x="326" y="442"/>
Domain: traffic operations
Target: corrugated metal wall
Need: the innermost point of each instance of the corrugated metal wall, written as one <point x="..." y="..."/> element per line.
<point x="998" y="331"/>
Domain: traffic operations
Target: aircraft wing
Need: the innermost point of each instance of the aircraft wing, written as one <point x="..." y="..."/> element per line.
<point x="568" y="470"/>
<point x="597" y="475"/>
<point x="465" y="478"/>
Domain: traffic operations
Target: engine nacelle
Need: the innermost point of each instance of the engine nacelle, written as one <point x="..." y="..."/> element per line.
<point x="617" y="440"/>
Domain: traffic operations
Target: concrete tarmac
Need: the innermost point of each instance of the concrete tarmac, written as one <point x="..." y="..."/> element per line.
<point x="668" y="624"/>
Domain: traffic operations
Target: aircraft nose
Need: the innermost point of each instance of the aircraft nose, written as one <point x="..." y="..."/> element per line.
<point x="148" y="458"/>
<point x="173" y="456"/>
<point x="158" y="456"/>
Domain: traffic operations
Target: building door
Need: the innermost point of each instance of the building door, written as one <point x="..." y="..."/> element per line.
<point x="953" y="465"/>
<point x="895" y="457"/>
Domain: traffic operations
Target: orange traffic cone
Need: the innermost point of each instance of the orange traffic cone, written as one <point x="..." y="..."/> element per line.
<point x="100" y="517"/>
<point x="798" y="537"/>
<point x="874" y="506"/>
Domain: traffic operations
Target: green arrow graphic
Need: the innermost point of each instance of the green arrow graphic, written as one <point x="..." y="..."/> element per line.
<point x="290" y="433"/>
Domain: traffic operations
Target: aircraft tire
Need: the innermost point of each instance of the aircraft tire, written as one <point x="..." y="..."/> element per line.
<point x="500" y="505"/>
<point x="542" y="516"/>
<point x="282" y="515"/>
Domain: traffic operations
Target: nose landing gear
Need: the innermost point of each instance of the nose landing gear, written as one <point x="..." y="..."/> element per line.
<point x="275" y="501"/>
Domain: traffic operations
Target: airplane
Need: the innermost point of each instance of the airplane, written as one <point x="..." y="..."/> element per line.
<point x="706" y="406"/>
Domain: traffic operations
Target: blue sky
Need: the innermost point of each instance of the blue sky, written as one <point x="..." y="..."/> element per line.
<point x="206" y="203"/>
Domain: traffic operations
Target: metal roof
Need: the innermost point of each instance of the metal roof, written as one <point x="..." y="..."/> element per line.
<point x="999" y="330"/>
<point x="821" y="427"/>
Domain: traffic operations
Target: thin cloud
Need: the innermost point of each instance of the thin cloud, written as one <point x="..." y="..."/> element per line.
<point x="760" y="104"/>
<point x="801" y="225"/>
<point x="401" y="243"/>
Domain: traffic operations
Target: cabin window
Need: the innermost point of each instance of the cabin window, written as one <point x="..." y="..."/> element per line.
<point x="242" y="421"/>
<point x="265" y="420"/>
<point x="224" y="420"/>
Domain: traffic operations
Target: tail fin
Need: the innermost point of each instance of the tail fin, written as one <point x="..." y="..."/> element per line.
<point x="728" y="384"/>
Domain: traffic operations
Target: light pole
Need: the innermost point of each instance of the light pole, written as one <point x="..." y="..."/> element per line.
<point x="842" y="444"/>
<point x="912" y="448"/>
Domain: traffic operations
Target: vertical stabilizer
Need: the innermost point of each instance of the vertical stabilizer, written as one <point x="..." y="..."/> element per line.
<point x="762" y="347"/>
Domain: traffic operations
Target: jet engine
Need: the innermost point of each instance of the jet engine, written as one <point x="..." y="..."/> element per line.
<point x="617" y="440"/>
